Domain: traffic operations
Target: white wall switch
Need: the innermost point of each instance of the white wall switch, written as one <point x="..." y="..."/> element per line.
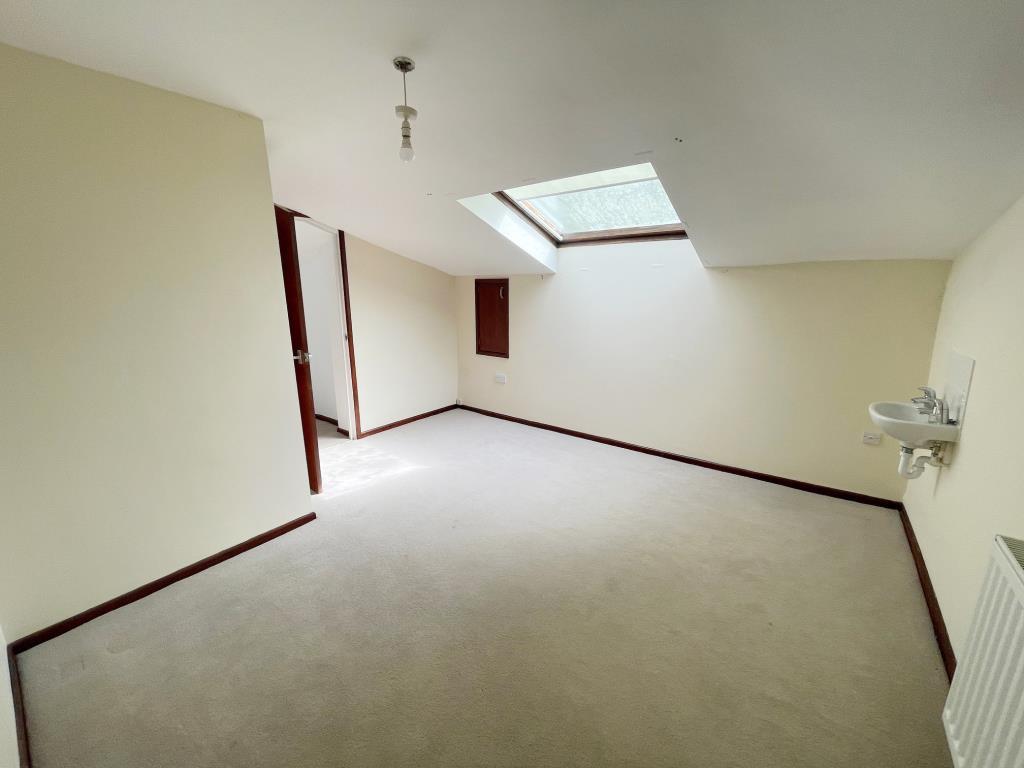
<point x="872" y="438"/>
<point x="500" y="378"/>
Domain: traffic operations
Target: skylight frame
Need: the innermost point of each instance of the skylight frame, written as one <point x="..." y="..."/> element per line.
<point x="537" y="219"/>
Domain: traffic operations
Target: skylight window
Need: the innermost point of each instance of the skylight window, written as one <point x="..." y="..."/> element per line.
<point x="615" y="204"/>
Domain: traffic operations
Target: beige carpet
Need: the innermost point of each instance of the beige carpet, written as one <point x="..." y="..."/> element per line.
<point x="478" y="593"/>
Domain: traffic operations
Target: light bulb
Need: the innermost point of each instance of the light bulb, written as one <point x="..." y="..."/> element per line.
<point x="406" y="154"/>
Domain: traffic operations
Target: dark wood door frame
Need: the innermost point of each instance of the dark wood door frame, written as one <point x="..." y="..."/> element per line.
<point x="297" y="329"/>
<point x="357" y="425"/>
<point x="357" y="430"/>
<point x="346" y="297"/>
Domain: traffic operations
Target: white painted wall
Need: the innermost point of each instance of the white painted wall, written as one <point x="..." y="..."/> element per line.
<point x="403" y="326"/>
<point x="323" y="302"/>
<point x="956" y="511"/>
<point x="767" y="368"/>
<point x="149" y="411"/>
<point x="8" y="734"/>
<point x="515" y="228"/>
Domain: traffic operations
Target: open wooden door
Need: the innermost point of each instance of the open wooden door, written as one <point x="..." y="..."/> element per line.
<point x="300" y="350"/>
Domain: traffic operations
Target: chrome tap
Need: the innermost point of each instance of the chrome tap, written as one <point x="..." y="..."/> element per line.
<point x="932" y="406"/>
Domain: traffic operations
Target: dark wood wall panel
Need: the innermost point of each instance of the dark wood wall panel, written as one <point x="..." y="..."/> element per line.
<point x="492" y="317"/>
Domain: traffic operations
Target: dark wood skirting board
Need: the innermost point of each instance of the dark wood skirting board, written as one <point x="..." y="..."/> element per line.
<point x="54" y="630"/>
<point x="346" y="295"/>
<point x="409" y="420"/>
<point x="329" y="420"/>
<point x="938" y="623"/>
<point x="48" y="633"/>
<point x="20" y="724"/>
<point x="930" y="598"/>
<point x="823" y="490"/>
<point x="350" y="341"/>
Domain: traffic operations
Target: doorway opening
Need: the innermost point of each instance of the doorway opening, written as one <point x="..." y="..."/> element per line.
<point x="319" y="319"/>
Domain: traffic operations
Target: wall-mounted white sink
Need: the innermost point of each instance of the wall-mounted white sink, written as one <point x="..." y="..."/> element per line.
<point x="903" y="422"/>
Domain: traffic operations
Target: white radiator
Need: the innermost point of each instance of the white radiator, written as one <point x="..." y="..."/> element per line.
<point x="984" y="714"/>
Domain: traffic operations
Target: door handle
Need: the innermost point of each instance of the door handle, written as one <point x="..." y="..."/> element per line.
<point x="501" y="292"/>
<point x="301" y="357"/>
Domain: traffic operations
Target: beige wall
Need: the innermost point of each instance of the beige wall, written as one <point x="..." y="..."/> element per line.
<point x="767" y="368"/>
<point x="8" y="735"/>
<point x="403" y="325"/>
<point x="149" y="409"/>
<point x="957" y="511"/>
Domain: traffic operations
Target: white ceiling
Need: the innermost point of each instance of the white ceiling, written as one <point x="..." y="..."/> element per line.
<point x="811" y="129"/>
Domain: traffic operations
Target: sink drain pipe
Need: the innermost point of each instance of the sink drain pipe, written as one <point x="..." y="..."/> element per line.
<point x="911" y="468"/>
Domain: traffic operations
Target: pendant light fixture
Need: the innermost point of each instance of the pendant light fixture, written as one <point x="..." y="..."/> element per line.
<point x="405" y="65"/>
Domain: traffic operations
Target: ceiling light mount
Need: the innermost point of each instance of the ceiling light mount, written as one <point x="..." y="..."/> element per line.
<point x="403" y="64"/>
<point x="403" y="111"/>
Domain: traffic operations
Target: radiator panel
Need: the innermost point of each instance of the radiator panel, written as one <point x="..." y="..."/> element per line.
<point x="984" y="713"/>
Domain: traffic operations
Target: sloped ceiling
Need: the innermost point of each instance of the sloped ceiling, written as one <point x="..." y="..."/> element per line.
<point x="793" y="130"/>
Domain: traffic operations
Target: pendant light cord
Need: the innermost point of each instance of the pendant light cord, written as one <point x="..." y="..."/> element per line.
<point x="405" y="93"/>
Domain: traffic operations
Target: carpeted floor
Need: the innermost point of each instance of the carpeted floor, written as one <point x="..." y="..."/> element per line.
<point x="479" y="593"/>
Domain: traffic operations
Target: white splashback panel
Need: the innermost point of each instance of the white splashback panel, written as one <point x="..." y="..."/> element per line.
<point x="959" y="370"/>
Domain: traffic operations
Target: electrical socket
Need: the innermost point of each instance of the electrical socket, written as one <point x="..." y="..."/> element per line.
<point x="872" y="438"/>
